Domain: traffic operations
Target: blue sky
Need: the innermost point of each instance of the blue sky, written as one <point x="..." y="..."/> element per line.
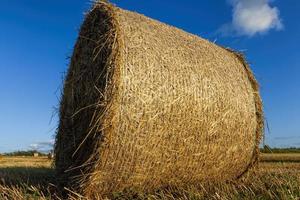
<point x="37" y="37"/>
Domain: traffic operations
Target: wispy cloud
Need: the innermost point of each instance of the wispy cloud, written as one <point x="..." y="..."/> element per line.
<point x="42" y="145"/>
<point x="287" y="138"/>
<point x="251" y="17"/>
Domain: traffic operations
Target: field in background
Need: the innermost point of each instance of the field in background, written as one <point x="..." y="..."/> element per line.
<point x="280" y="157"/>
<point x="277" y="177"/>
<point x="26" y="162"/>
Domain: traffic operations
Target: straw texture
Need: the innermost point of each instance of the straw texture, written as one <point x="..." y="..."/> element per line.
<point x="147" y="105"/>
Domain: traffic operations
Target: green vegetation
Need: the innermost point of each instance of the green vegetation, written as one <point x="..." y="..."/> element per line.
<point x="24" y="153"/>
<point x="268" y="149"/>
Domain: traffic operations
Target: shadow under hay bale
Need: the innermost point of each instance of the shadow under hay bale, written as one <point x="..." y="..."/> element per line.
<point x="147" y="105"/>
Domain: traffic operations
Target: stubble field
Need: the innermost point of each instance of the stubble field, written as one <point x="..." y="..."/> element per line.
<point x="276" y="177"/>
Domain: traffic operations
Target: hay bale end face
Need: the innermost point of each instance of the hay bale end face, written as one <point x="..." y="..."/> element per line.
<point x="147" y="105"/>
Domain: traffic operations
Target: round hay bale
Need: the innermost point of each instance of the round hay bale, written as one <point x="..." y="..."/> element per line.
<point x="147" y="105"/>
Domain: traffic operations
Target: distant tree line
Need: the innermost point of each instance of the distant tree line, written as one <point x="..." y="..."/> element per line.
<point x="24" y="153"/>
<point x="268" y="149"/>
<point x="265" y="149"/>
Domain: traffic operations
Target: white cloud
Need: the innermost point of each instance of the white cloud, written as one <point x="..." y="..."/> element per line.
<point x="42" y="145"/>
<point x="250" y="17"/>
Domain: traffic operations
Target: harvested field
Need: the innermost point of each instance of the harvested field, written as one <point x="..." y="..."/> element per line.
<point x="281" y="157"/>
<point x="272" y="180"/>
<point x="22" y="161"/>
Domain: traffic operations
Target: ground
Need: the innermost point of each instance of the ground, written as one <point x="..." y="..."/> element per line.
<point x="276" y="177"/>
